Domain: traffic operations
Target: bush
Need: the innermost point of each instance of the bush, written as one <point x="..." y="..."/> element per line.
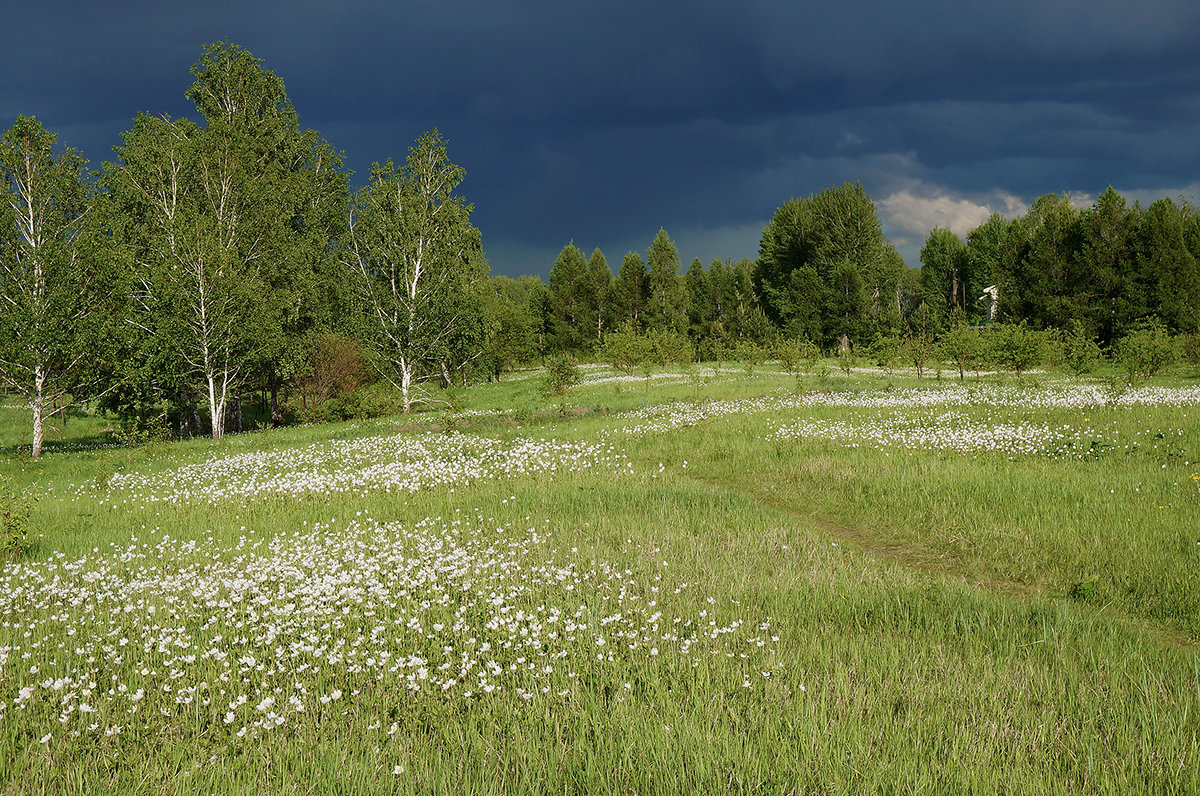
<point x="847" y="359"/>
<point x="885" y="351"/>
<point x="334" y="368"/>
<point x="751" y="355"/>
<point x="14" y="519"/>
<point x="1079" y="353"/>
<point x="918" y="348"/>
<point x="625" y="350"/>
<point x="714" y="349"/>
<point x="962" y="347"/>
<point x="671" y="348"/>
<point x="561" y="374"/>
<point x="1146" y="352"/>
<point x="1019" y="348"/>
<point x="1188" y="346"/>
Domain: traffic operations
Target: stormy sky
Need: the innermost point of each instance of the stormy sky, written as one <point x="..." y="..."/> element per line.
<point x="600" y="122"/>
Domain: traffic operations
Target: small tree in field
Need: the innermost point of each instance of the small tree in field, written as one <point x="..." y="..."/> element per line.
<point x="751" y="354"/>
<point x="1147" y="351"/>
<point x="885" y="351"/>
<point x="625" y="349"/>
<point x="561" y="374"/>
<point x="1019" y="348"/>
<point x="671" y="348"/>
<point x="1188" y="346"/>
<point x="962" y="347"/>
<point x="919" y="348"/>
<point x="1080" y="353"/>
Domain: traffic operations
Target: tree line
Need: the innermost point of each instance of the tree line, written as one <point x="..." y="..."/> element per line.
<point x="225" y="265"/>
<point x="1108" y="268"/>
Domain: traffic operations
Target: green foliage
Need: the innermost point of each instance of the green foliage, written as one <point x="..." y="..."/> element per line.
<point x="918" y="348"/>
<point x="1079" y="353"/>
<point x="963" y="347"/>
<point x="1146" y="352"/>
<point x="629" y="292"/>
<point x="885" y="351"/>
<point x="59" y="295"/>
<point x="15" y="508"/>
<point x="1188" y="346"/>
<point x="751" y="354"/>
<point x="795" y="354"/>
<point x="825" y="269"/>
<point x="626" y="350"/>
<point x="1019" y="348"/>
<point x="847" y="359"/>
<point x="568" y="283"/>
<point x="511" y="338"/>
<point x="227" y="230"/>
<point x="671" y="348"/>
<point x="562" y="373"/>
<point x="666" y="296"/>
<point x="946" y="284"/>
<point x="1108" y="267"/>
<point x="417" y="263"/>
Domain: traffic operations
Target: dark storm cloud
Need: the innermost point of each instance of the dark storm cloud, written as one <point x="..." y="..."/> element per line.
<point x="600" y="122"/>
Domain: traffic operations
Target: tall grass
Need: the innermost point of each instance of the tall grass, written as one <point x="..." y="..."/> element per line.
<point x="927" y="622"/>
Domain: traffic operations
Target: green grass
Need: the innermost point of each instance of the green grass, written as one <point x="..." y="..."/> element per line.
<point x="928" y="639"/>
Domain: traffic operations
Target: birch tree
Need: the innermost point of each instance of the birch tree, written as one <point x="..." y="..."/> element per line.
<point x="194" y="295"/>
<point x="52" y="283"/>
<point x="226" y="222"/>
<point x="414" y="256"/>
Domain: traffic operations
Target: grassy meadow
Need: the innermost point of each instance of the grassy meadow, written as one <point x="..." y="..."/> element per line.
<point x="699" y="581"/>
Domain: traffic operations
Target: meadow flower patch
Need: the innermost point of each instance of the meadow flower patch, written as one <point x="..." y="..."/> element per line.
<point x="232" y="641"/>
<point x="389" y="463"/>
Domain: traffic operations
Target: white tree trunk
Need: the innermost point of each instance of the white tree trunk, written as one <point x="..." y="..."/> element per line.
<point x="406" y="376"/>
<point x="38" y="405"/>
<point x="216" y="408"/>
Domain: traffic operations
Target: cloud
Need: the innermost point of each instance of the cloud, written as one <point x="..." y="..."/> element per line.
<point x="909" y="214"/>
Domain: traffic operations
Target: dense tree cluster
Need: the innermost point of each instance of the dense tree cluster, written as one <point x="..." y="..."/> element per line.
<point x="224" y="266"/>
<point x="1107" y="268"/>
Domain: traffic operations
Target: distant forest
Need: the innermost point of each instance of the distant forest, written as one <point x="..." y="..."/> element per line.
<point x="225" y="266"/>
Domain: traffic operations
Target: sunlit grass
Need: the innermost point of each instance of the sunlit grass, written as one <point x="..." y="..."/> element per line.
<point x="854" y="613"/>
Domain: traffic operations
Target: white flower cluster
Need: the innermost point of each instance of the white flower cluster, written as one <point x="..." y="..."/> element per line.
<point x="663" y="418"/>
<point x="243" y="638"/>
<point x="392" y="463"/>
<point x="958" y="432"/>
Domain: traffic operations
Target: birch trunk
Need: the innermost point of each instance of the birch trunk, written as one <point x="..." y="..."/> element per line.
<point x="406" y="374"/>
<point x="38" y="405"/>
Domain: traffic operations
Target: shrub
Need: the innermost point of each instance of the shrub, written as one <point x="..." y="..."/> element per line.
<point x="625" y="350"/>
<point x="751" y="354"/>
<point x="917" y="349"/>
<point x="885" y="351"/>
<point x="1146" y="351"/>
<point x="671" y="348"/>
<point x="14" y="519"/>
<point x="1079" y="353"/>
<point x="561" y="374"/>
<point x="962" y="347"/>
<point x="1019" y="348"/>
<point x="335" y="368"/>
<point x="1188" y="346"/>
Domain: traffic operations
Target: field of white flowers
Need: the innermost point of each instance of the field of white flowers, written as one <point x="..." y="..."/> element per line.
<point x="646" y="576"/>
<point x="245" y="638"/>
<point x="964" y="419"/>
<point x="394" y="462"/>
